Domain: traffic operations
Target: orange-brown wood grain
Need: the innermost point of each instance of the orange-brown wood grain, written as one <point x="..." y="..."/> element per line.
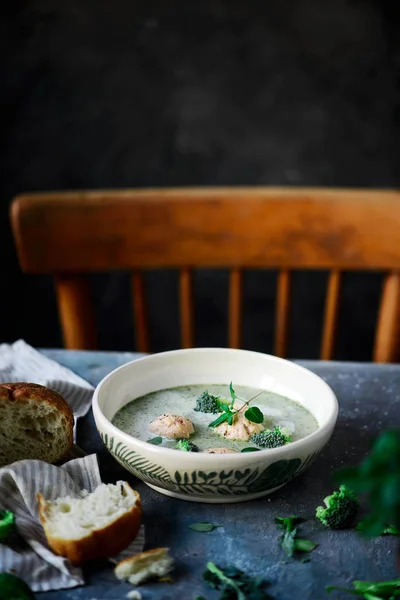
<point x="71" y="233"/>
<point x="282" y="312"/>
<point x="387" y="333"/>
<point x="186" y="308"/>
<point x="76" y="312"/>
<point x="331" y="314"/>
<point x="235" y="307"/>
<point x="284" y="228"/>
<point x="140" y="316"/>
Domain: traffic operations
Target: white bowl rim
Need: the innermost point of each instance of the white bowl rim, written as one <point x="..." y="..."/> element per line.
<point x="238" y="457"/>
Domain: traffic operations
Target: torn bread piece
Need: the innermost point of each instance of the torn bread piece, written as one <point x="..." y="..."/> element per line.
<point x="146" y="565"/>
<point x="96" y="525"/>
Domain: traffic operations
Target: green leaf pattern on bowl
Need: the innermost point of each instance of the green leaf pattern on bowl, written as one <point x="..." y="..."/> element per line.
<point x="220" y="483"/>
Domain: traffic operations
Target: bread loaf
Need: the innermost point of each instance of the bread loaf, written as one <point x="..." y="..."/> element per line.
<point x="96" y="525"/>
<point x="35" y="423"/>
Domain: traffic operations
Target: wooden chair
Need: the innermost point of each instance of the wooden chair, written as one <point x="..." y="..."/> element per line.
<point x="71" y="233"/>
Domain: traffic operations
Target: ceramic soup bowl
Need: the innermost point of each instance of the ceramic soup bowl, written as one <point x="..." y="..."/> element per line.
<point x="203" y="477"/>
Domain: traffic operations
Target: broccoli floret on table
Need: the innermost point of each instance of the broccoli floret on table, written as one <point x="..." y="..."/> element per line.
<point x="271" y="438"/>
<point x="208" y="404"/>
<point x="340" y="509"/>
<point x="186" y="446"/>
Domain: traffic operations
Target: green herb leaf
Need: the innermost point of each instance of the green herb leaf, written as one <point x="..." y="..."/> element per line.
<point x="391" y="530"/>
<point x="254" y="415"/>
<point x="304" y="545"/>
<point x="156" y="441"/>
<point x="307" y="559"/>
<point x="232" y="393"/>
<point x="235" y="584"/>
<point x="383" y="590"/>
<point x="219" y="580"/>
<point x="289" y="542"/>
<point x="12" y="586"/>
<point x="387" y="530"/>
<point x="7" y="524"/>
<point x="288" y="523"/>
<point x="249" y="449"/>
<point x="224" y="406"/>
<point x="221" y="419"/>
<point x="203" y="527"/>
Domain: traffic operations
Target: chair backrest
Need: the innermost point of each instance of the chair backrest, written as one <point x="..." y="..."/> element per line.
<point x="68" y="234"/>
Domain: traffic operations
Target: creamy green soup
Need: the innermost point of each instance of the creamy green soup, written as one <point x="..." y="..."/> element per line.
<point x="134" y="418"/>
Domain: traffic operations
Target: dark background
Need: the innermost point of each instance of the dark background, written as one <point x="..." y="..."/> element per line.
<point x="100" y="94"/>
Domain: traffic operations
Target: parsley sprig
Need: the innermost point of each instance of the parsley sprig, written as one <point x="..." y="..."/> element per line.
<point x="252" y="413"/>
<point x="379" y="590"/>
<point x="289" y="541"/>
<point x="235" y="584"/>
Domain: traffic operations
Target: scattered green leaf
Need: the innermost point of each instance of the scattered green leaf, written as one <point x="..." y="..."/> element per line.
<point x="306" y="560"/>
<point x="7" y="524"/>
<point x="391" y="530"/>
<point x="301" y="545"/>
<point x="288" y="523"/>
<point x="249" y="449"/>
<point x="156" y="441"/>
<point x="289" y="541"/>
<point x="387" y="530"/>
<point x="203" y="527"/>
<point x="383" y="590"/>
<point x="14" y="588"/>
<point x="235" y="584"/>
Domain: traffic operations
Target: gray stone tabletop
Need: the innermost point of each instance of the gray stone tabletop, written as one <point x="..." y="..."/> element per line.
<point x="369" y="399"/>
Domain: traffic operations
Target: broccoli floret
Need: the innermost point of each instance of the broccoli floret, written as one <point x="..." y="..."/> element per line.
<point x="208" y="404"/>
<point x="186" y="446"/>
<point x="339" y="510"/>
<point x="271" y="438"/>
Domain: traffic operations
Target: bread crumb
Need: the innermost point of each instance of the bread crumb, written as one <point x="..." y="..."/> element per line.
<point x="134" y="595"/>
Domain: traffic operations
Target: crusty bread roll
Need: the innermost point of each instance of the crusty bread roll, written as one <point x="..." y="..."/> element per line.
<point x="35" y="422"/>
<point x="96" y="525"/>
<point x="146" y="565"/>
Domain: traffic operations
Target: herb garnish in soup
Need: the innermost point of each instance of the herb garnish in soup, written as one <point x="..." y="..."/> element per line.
<point x="216" y="419"/>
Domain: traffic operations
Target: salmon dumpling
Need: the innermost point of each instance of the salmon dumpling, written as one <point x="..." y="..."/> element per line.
<point x="172" y="426"/>
<point x="241" y="428"/>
